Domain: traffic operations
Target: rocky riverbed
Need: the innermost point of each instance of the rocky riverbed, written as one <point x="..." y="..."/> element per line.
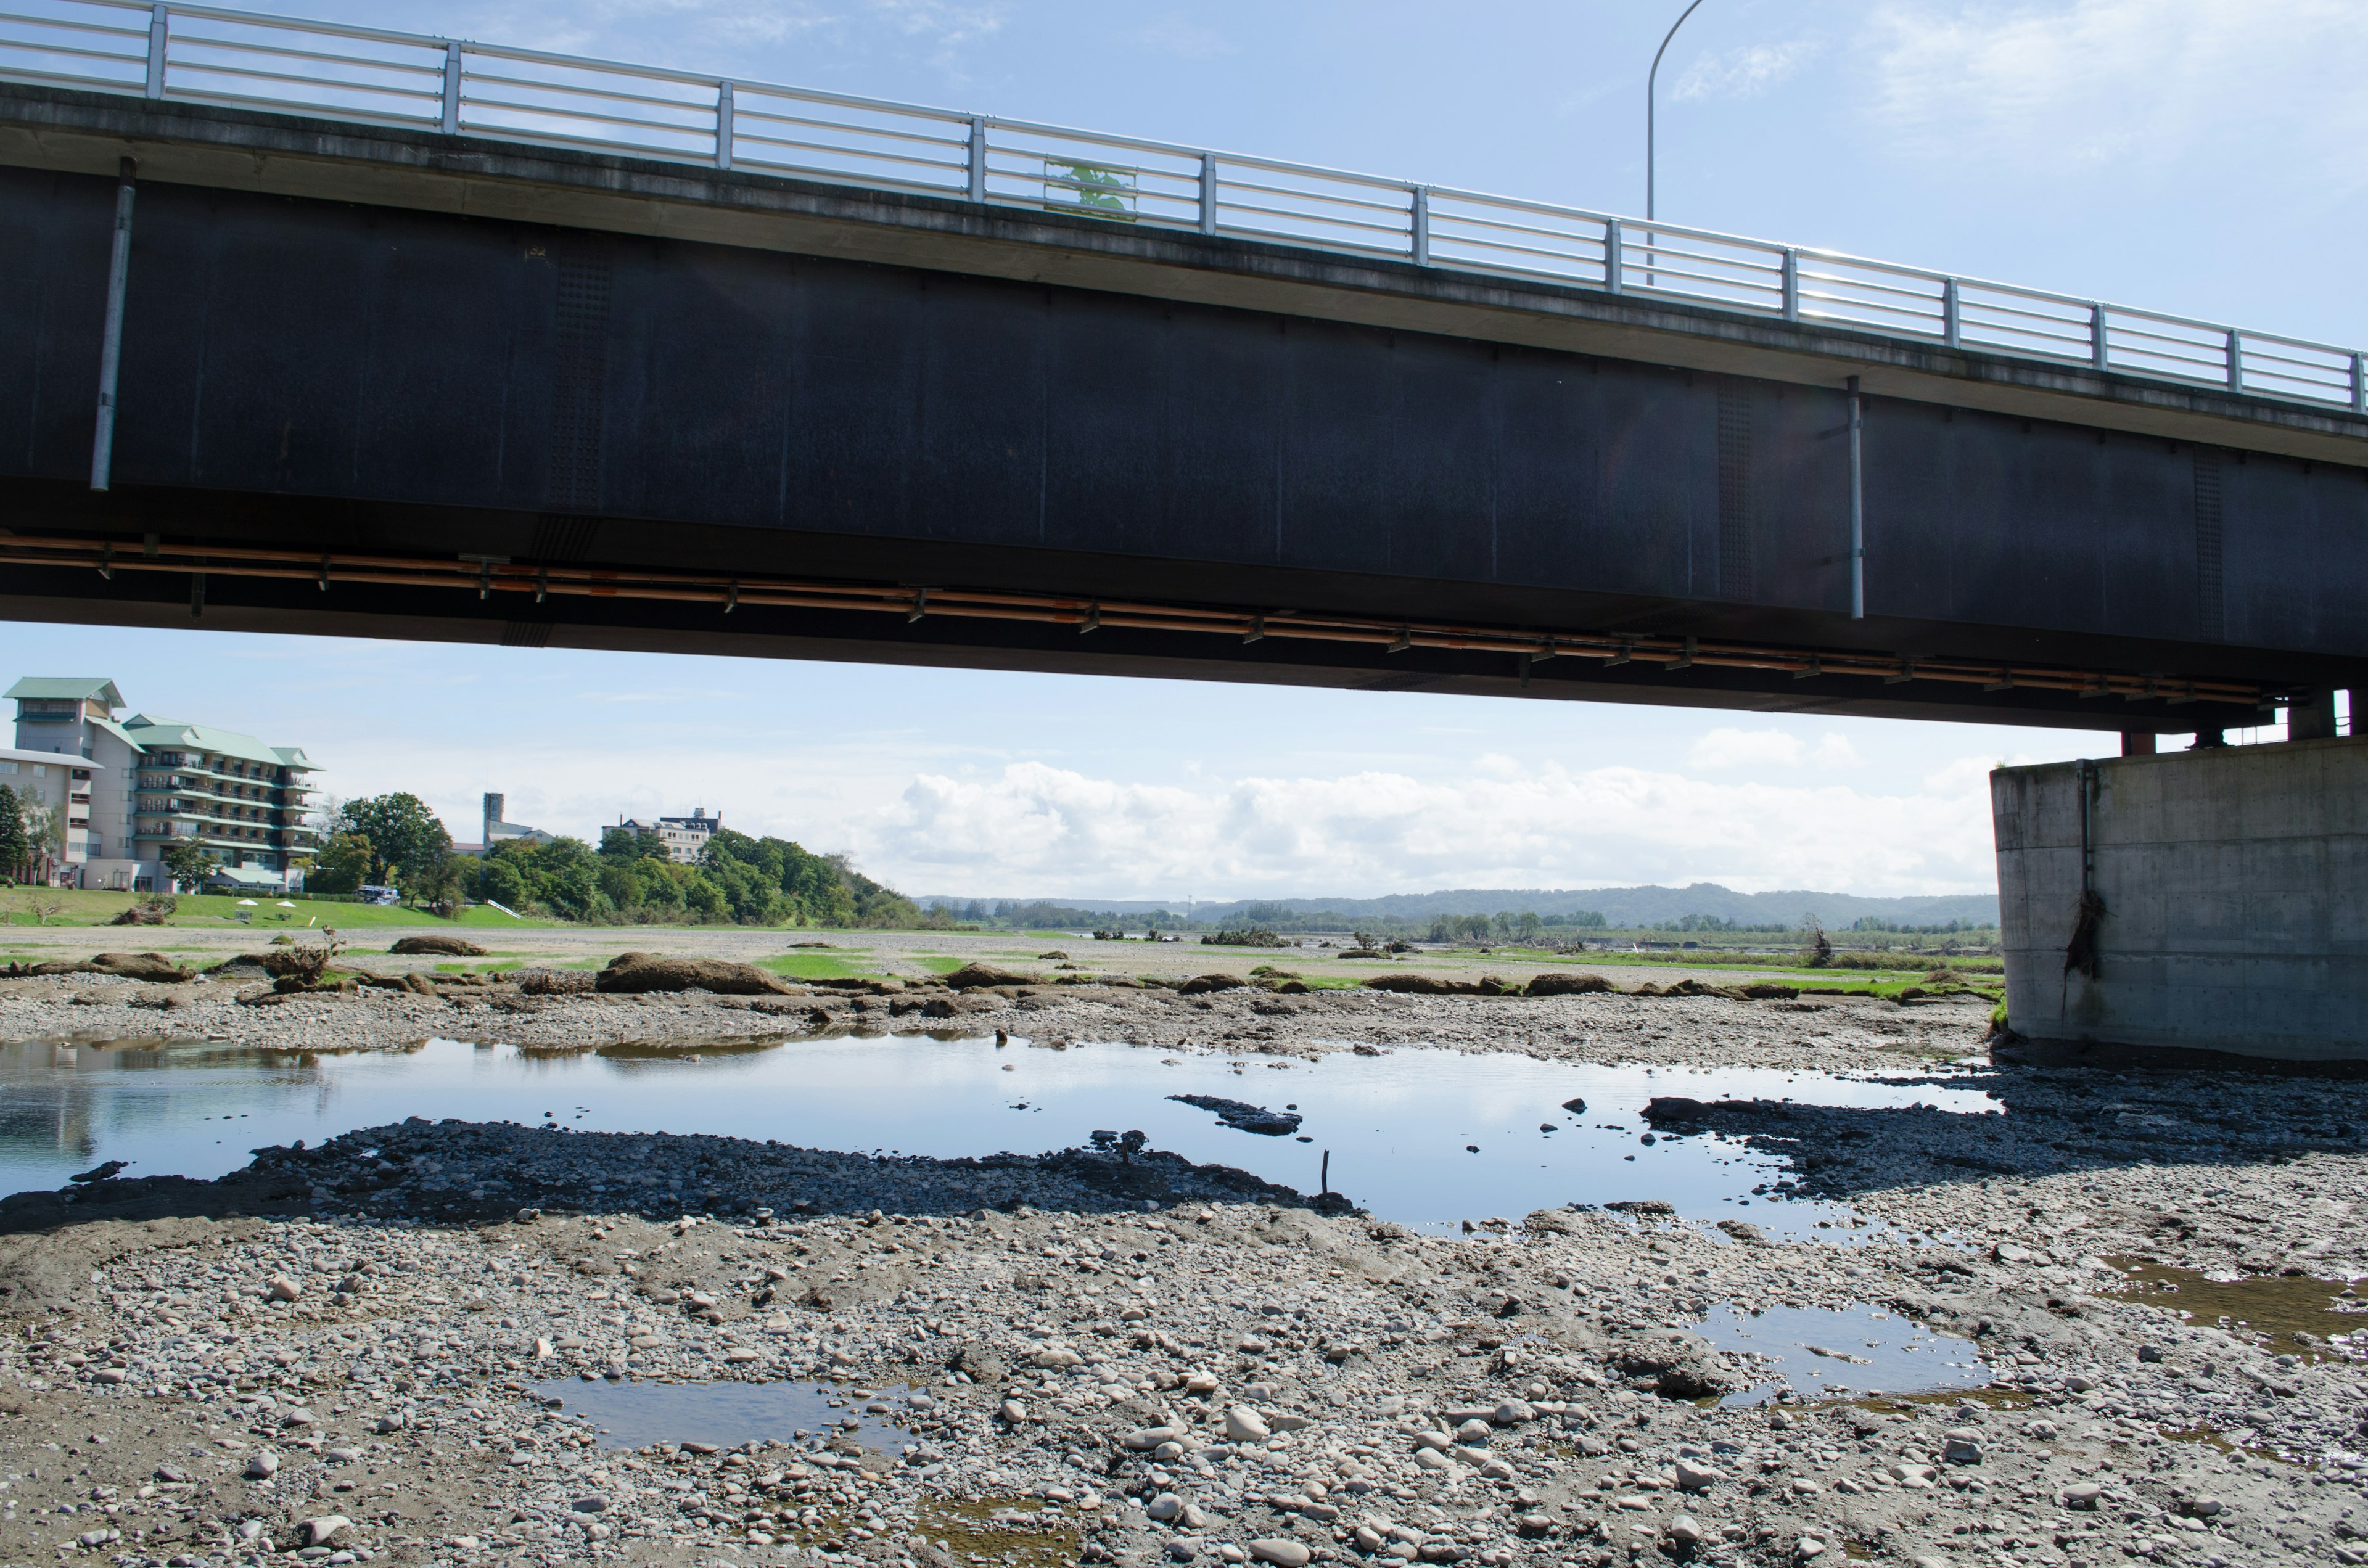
<point x="1235" y="1010"/>
<point x="1106" y="1354"/>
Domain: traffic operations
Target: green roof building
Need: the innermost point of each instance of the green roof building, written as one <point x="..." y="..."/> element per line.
<point x="157" y="782"/>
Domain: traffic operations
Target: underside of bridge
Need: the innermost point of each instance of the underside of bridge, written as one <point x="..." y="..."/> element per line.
<point x="395" y="384"/>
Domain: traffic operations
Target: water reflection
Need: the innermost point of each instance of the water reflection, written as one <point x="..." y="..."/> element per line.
<point x="1842" y="1352"/>
<point x="633" y="1414"/>
<point x="1427" y="1138"/>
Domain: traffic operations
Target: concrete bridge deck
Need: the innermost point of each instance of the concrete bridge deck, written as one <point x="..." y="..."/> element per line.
<point x="399" y="382"/>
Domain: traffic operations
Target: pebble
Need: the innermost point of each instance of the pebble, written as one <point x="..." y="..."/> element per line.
<point x="1284" y="1553"/>
<point x="323" y="1531"/>
<point x="919" y="1261"/>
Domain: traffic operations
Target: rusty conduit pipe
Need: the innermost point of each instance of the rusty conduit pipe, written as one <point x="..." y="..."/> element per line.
<point x="538" y="580"/>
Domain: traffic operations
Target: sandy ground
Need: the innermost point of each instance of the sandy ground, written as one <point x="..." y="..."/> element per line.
<point x="1103" y="1357"/>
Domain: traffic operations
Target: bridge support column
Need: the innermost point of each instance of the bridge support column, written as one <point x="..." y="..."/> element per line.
<point x="2311" y="715"/>
<point x="2201" y="901"/>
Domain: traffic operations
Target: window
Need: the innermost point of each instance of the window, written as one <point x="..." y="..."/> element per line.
<point x="7" y="768"/>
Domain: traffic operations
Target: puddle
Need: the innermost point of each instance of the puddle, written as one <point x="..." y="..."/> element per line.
<point x="1427" y="1137"/>
<point x="2289" y="1315"/>
<point x="633" y="1414"/>
<point x="1843" y="1353"/>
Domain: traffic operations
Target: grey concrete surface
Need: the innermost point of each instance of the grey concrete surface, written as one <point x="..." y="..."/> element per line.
<point x="2234" y="889"/>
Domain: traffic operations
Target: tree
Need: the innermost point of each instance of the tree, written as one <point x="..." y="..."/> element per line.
<point x="624" y="846"/>
<point x="45" y="831"/>
<point x="438" y="883"/>
<point x="14" y="847"/>
<point x="188" y="861"/>
<point x="403" y="834"/>
<point x="498" y="882"/>
<point x="1821" y="946"/>
<point x="344" y="865"/>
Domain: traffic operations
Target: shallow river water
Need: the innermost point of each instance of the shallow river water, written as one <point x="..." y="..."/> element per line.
<point x="1427" y="1137"/>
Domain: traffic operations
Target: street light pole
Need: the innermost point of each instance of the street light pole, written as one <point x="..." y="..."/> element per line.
<point x="1651" y="81"/>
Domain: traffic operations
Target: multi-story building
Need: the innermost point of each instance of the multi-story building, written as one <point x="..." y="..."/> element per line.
<point x="496" y="831"/>
<point x="685" y="837"/>
<point x="147" y="784"/>
<point x="61" y="789"/>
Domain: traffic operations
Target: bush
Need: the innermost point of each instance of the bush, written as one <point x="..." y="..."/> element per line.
<point x="1258" y="938"/>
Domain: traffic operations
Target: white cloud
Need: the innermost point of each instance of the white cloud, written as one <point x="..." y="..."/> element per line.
<point x="1773" y="749"/>
<point x="1740" y="72"/>
<point x="1035" y="827"/>
<point x="2127" y="83"/>
<point x="1834" y="750"/>
<point x="1747" y="748"/>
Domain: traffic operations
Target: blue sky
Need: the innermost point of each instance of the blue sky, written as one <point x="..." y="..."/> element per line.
<point x="2196" y="156"/>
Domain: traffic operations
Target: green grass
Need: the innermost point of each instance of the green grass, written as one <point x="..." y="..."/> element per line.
<point x="1892" y="988"/>
<point x="813" y="966"/>
<point x="217" y="909"/>
<point x="939" y="964"/>
<point x="506" y="963"/>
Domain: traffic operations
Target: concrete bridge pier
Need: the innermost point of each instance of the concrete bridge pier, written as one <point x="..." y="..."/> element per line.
<point x="2203" y="905"/>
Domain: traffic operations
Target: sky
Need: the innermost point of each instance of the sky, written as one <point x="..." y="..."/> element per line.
<point x="2193" y="157"/>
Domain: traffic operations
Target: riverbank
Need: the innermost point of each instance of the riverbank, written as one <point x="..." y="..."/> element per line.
<point x="1102" y="1381"/>
<point x="1132" y="1359"/>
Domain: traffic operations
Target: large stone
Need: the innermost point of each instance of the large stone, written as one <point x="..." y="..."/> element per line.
<point x="329" y="1530"/>
<point x="973" y="975"/>
<point x="1432" y="985"/>
<point x="639" y="972"/>
<point x="1282" y="1553"/>
<point x="155" y="968"/>
<point x="439" y="944"/>
<point x="1244" y="1425"/>
<point x="1562" y="982"/>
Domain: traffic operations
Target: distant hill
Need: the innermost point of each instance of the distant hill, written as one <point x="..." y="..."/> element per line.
<point x="1621" y="906"/>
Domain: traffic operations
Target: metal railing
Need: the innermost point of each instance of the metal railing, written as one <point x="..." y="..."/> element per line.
<point x="366" y="76"/>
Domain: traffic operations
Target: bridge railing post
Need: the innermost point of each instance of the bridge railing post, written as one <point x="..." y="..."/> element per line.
<point x="450" y="123"/>
<point x="1952" y="314"/>
<point x="2360" y="383"/>
<point x="159" y="36"/>
<point x="1418" y="225"/>
<point x="1208" y="193"/>
<point x="723" y="125"/>
<point x="2097" y="342"/>
<point x="1791" y="284"/>
<point x="1612" y="244"/>
<point x="978" y="157"/>
<point x="2235" y="360"/>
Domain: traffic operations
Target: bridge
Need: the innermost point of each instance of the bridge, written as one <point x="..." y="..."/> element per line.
<point x="319" y="329"/>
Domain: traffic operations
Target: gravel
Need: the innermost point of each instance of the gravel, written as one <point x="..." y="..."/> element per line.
<point x="1138" y="1360"/>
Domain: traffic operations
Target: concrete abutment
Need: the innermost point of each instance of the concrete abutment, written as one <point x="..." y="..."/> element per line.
<point x="2226" y="900"/>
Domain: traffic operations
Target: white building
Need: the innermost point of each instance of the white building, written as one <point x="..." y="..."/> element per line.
<point x="149" y="783"/>
<point x="62" y="787"/>
<point x="685" y="837"/>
